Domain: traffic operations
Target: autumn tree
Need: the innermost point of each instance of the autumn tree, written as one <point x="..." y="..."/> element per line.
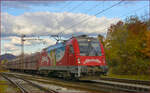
<point x="127" y="46"/>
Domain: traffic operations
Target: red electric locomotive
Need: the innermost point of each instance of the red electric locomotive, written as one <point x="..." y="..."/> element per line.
<point x="79" y="57"/>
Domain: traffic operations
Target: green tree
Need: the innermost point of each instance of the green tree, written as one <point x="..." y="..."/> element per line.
<point x="123" y="46"/>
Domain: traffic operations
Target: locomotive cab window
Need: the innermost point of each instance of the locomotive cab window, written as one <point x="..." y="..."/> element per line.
<point x="89" y="47"/>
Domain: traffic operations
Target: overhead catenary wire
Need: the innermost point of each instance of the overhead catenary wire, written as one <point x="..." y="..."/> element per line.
<point x="130" y="13"/>
<point x="107" y="8"/>
<point x="74" y="8"/>
<point x="90" y="9"/>
<point x="94" y="15"/>
<point x="78" y="7"/>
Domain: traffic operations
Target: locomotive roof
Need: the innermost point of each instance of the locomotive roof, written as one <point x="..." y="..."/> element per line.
<point x="85" y="37"/>
<point x="61" y="44"/>
<point x="58" y="45"/>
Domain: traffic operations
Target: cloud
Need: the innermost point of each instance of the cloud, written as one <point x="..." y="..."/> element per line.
<point x="10" y="47"/>
<point x="13" y="46"/>
<point x="48" y="23"/>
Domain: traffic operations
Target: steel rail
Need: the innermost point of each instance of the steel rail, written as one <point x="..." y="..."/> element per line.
<point x="35" y="85"/>
<point x="23" y="90"/>
<point x="99" y="85"/>
<point x="38" y="86"/>
<point x="123" y="86"/>
<point x="141" y="82"/>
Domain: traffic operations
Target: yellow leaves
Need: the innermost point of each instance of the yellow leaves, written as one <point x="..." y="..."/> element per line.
<point x="128" y="42"/>
<point x="146" y="50"/>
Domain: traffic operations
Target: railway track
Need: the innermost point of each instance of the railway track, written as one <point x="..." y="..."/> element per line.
<point x="122" y="86"/>
<point x="141" y="82"/>
<point x="102" y="85"/>
<point x="26" y="86"/>
<point x="22" y="90"/>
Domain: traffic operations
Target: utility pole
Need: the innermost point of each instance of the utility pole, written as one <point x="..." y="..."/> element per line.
<point x="56" y="37"/>
<point x="22" y="48"/>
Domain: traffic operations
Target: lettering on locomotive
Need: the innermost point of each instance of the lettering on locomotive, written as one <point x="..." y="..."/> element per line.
<point x="44" y="59"/>
<point x="92" y="60"/>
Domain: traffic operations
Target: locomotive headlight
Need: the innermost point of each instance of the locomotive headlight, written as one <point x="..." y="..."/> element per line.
<point x="78" y="60"/>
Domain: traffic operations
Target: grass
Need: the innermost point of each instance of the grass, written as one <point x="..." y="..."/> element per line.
<point x="3" y="87"/>
<point x="2" y="69"/>
<point x="133" y="77"/>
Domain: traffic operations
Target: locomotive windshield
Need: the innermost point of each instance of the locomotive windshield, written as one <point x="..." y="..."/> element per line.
<point x="89" y="47"/>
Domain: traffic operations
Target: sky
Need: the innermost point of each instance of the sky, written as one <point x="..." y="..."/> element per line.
<point x="40" y="19"/>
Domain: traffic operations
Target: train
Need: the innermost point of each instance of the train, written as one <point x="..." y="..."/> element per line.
<point x="79" y="57"/>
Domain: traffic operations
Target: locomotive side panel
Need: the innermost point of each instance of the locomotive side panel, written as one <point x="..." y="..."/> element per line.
<point x="31" y="63"/>
<point x="52" y="57"/>
<point x="58" y="57"/>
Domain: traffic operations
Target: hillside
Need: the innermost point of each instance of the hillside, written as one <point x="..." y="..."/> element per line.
<point x="7" y="56"/>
